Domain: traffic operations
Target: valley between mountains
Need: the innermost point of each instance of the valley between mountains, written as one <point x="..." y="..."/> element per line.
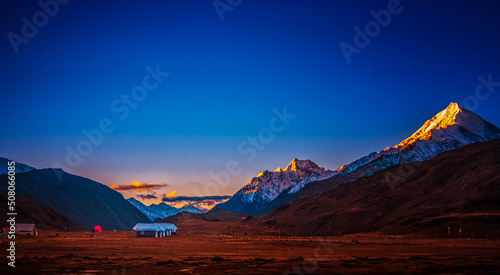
<point x="443" y="172"/>
<point x="421" y="206"/>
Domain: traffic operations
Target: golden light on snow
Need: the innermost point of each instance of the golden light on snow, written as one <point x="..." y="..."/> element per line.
<point x="247" y="191"/>
<point x="443" y="119"/>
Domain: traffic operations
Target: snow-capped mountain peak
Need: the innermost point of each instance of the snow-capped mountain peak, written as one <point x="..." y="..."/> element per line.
<point x="304" y="168"/>
<point x="20" y="167"/>
<point x="293" y="165"/>
<point x="450" y="129"/>
<point x="453" y="114"/>
<point x="443" y="119"/>
<point x="161" y="210"/>
<point x="267" y="185"/>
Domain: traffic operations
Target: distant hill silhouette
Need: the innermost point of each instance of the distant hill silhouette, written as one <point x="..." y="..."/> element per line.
<point x="82" y="201"/>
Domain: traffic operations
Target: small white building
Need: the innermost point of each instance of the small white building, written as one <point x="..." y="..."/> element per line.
<point x="157" y="230"/>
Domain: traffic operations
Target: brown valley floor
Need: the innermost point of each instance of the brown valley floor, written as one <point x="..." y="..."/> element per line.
<point x="120" y="253"/>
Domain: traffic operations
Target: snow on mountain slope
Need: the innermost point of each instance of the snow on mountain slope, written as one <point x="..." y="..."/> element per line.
<point x="149" y="213"/>
<point x="267" y="185"/>
<point x="454" y="183"/>
<point x="190" y="208"/>
<point x="452" y="128"/>
<point x="20" y="167"/>
<point x="161" y="210"/>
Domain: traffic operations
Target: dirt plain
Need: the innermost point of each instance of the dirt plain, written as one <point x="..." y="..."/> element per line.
<point x="119" y="252"/>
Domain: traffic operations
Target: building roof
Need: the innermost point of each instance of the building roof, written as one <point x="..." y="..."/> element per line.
<point x="25" y="227"/>
<point x="154" y="227"/>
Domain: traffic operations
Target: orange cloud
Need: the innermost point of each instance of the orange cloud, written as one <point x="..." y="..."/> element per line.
<point x="138" y="186"/>
<point x="171" y="194"/>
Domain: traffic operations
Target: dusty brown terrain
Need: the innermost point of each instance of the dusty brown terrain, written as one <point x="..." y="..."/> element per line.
<point x="120" y="253"/>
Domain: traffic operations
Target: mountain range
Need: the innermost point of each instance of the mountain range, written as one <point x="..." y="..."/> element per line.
<point x="458" y="186"/>
<point x="267" y="185"/>
<point x="448" y="166"/>
<point x="161" y="210"/>
<point x="452" y="128"/>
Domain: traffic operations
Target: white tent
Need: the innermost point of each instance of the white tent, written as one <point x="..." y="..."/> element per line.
<point x="160" y="229"/>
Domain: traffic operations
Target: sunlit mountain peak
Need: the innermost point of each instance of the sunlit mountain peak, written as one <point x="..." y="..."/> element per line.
<point x="267" y="185"/>
<point x="452" y="128"/>
<point x="453" y="114"/>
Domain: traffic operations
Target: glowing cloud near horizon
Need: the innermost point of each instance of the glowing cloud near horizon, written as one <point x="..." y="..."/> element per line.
<point x="138" y="186"/>
<point x="171" y="194"/>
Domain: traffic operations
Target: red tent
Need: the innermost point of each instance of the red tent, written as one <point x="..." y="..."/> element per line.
<point x="97" y="229"/>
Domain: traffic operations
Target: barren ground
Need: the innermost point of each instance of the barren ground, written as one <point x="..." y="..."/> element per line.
<point x="121" y="253"/>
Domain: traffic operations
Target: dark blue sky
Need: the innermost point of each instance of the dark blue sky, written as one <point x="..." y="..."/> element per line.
<point x="227" y="76"/>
